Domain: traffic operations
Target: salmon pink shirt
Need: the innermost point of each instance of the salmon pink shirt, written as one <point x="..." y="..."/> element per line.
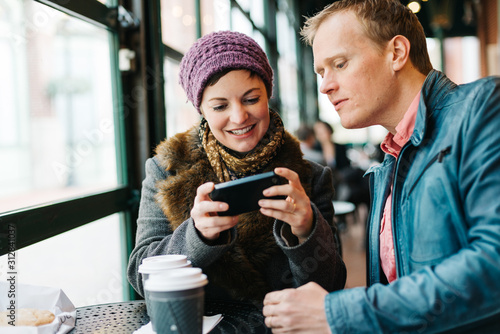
<point x="392" y="145"/>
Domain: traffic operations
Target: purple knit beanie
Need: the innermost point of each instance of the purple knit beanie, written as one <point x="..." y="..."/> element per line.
<point x="217" y="52"/>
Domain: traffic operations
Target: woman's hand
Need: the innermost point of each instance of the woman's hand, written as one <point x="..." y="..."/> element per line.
<point x="295" y="210"/>
<point x="204" y="213"/>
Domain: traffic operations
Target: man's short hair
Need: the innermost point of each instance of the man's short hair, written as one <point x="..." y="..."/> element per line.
<point x="382" y="20"/>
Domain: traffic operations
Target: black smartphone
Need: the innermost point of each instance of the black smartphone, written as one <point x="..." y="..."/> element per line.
<point x="243" y="194"/>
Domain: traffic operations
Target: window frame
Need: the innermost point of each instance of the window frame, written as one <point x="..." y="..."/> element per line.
<point x="40" y="222"/>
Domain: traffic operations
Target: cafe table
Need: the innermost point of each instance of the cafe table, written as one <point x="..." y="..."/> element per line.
<point x="127" y="317"/>
<point x="342" y="210"/>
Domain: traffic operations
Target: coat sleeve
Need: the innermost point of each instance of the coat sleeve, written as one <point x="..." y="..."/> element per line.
<point x="461" y="293"/>
<point x="317" y="259"/>
<point x="155" y="237"/>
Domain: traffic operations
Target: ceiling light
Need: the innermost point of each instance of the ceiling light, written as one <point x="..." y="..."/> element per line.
<point x="414" y="6"/>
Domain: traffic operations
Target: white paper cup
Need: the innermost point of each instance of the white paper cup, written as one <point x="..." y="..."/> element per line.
<point x="160" y="264"/>
<point x="176" y="300"/>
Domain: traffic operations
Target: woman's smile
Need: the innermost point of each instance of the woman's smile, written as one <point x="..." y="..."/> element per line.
<point x="240" y="132"/>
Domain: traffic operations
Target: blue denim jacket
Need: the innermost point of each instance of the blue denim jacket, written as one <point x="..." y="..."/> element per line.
<point x="445" y="221"/>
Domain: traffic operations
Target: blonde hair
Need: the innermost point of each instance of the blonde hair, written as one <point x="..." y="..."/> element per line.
<point x="382" y="20"/>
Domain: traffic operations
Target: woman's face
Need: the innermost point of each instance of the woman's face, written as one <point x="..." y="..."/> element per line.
<point x="236" y="109"/>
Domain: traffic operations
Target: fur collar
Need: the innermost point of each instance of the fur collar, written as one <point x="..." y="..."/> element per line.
<point x="241" y="271"/>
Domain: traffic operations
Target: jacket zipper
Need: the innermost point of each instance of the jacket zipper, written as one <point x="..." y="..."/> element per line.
<point x="370" y="276"/>
<point x="442" y="153"/>
<point x="439" y="158"/>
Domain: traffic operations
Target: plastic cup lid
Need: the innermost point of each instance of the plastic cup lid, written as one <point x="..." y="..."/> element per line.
<point x="174" y="258"/>
<point x="156" y="266"/>
<point x="177" y="279"/>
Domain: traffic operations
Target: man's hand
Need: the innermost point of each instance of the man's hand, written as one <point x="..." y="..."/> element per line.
<point x="300" y="310"/>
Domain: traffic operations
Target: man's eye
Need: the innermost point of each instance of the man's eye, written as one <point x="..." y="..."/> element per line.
<point x="341" y="65"/>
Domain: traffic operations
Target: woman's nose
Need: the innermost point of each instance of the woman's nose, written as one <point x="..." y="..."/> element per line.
<point x="239" y="114"/>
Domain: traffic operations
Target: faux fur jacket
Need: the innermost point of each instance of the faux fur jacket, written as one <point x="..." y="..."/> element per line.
<point x="253" y="258"/>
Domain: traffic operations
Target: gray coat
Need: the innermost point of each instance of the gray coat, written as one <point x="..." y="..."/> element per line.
<point x="290" y="265"/>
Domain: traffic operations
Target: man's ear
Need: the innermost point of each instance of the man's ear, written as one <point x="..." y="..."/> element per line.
<point x="400" y="47"/>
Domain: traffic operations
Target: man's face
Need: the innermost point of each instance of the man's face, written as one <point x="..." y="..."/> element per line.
<point x="357" y="76"/>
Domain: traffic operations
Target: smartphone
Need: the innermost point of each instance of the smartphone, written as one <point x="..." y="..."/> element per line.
<point x="243" y="194"/>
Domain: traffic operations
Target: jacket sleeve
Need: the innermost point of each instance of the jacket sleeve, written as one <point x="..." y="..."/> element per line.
<point x="317" y="259"/>
<point x="461" y="293"/>
<point x="155" y="237"/>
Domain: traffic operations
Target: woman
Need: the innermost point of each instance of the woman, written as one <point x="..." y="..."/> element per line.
<point x="227" y="77"/>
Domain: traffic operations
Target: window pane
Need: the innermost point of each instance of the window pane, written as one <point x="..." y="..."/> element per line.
<point x="178" y="24"/>
<point x="181" y="115"/>
<point x="240" y="22"/>
<point x="287" y="69"/>
<point x="434" y="50"/>
<point x="215" y="15"/>
<point x="462" y="56"/>
<point x="256" y="10"/>
<point x="85" y="263"/>
<point x="57" y="137"/>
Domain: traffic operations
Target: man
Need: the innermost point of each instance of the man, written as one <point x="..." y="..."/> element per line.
<point x="433" y="261"/>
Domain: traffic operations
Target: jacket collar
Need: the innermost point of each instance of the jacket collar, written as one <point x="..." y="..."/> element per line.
<point x="436" y="86"/>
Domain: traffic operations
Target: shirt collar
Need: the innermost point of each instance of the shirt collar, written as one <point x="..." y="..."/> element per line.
<point x="393" y="144"/>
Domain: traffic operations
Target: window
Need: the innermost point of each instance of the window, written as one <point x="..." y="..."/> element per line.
<point x="57" y="133"/>
<point x="240" y="22"/>
<point x="61" y="147"/>
<point x="288" y="70"/>
<point x="178" y="24"/>
<point x="214" y="15"/>
<point x="256" y="10"/>
<point x="181" y="115"/>
<point x="86" y="263"/>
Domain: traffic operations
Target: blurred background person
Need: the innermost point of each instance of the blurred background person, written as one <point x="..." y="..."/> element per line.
<point x="334" y="154"/>
<point x="349" y="183"/>
<point x="305" y="134"/>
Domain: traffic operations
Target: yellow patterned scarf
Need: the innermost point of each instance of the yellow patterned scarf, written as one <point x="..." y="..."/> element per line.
<point x="228" y="166"/>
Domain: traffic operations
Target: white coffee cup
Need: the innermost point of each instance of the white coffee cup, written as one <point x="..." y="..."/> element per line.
<point x="161" y="263"/>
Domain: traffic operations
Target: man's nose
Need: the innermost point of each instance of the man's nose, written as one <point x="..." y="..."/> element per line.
<point x="329" y="84"/>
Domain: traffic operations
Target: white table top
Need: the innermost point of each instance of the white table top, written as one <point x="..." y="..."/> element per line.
<point x="342" y="207"/>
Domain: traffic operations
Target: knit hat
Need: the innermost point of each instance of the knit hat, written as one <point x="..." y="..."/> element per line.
<point x="219" y="51"/>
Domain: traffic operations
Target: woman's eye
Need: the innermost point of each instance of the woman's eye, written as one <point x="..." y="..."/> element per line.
<point x="253" y="100"/>
<point x="219" y="107"/>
